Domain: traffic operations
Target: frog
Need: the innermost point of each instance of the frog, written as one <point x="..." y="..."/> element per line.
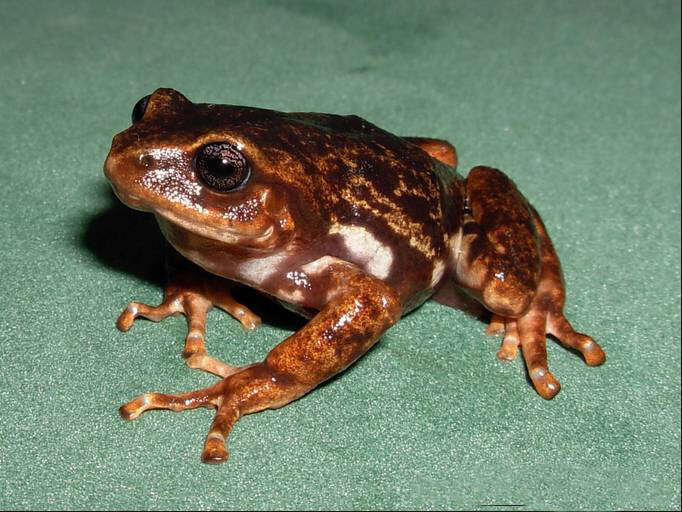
<point x="346" y="224"/>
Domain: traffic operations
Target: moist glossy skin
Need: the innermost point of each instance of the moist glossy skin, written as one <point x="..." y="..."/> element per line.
<point x="340" y="221"/>
<point x="321" y="186"/>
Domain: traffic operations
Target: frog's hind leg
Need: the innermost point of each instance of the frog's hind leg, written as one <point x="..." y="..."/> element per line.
<point x="508" y="262"/>
<point x="551" y="296"/>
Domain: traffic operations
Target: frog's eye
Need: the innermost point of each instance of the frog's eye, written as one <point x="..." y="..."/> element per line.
<point x="139" y="109"/>
<point x="221" y="166"/>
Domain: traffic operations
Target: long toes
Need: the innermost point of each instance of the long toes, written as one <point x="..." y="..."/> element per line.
<point x="215" y="450"/>
<point x="246" y="317"/>
<point x="510" y="344"/>
<point x="545" y="383"/>
<point x="153" y="313"/>
<point x="494" y="329"/>
<point x="194" y="344"/>
<point x="195" y="308"/>
<point x="202" y="361"/>
<point x="507" y="353"/>
<point x="509" y="348"/>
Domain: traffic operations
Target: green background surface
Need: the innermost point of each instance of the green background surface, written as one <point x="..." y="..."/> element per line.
<point x="578" y="101"/>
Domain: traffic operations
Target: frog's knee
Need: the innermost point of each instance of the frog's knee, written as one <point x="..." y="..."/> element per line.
<point x="486" y="178"/>
<point x="510" y="301"/>
<point x="439" y="149"/>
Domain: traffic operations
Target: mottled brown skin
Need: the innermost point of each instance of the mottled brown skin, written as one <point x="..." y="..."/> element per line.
<point x="342" y="222"/>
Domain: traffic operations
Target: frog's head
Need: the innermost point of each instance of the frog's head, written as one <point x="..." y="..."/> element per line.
<point x="195" y="167"/>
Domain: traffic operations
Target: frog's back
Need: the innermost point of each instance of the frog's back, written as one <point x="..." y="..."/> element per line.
<point x="386" y="204"/>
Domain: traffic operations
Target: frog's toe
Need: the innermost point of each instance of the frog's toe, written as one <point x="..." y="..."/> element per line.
<point x="247" y="318"/>
<point x="135" y="407"/>
<point x="222" y="298"/>
<point x="155" y="313"/>
<point x="206" y="397"/>
<point x="496" y="326"/>
<point x="215" y="448"/>
<point x="214" y="452"/>
<point x="544" y="382"/>
<point x="594" y="354"/>
<point x="202" y="361"/>
<point x="533" y="336"/>
<point x="510" y="343"/>
<point x="195" y="308"/>
<point x="561" y="328"/>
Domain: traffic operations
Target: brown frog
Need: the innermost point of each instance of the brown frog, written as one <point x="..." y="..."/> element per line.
<point x="341" y="221"/>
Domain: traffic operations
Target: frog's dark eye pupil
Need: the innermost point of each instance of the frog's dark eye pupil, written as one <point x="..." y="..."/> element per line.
<point x="139" y="109"/>
<point x="221" y="166"/>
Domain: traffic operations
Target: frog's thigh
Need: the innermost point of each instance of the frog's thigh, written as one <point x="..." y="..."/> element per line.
<point x="439" y="149"/>
<point x="498" y="258"/>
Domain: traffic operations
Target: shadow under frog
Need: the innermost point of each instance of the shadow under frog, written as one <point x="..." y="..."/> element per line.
<point x="130" y="242"/>
<point x="344" y="223"/>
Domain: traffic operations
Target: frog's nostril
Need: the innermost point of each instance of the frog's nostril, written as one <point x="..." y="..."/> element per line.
<point x="139" y="109"/>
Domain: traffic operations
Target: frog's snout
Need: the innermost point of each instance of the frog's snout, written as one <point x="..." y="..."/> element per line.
<point x="115" y="172"/>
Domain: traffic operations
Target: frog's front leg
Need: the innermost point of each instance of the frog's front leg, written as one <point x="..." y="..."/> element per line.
<point x="358" y="309"/>
<point x="192" y="292"/>
<point x="508" y="262"/>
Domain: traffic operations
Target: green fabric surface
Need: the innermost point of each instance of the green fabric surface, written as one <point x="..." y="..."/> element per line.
<point x="579" y="102"/>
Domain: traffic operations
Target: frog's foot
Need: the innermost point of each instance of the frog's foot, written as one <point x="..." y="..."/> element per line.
<point x="253" y="388"/>
<point x="194" y="304"/>
<point x="529" y="332"/>
<point x="214" y="447"/>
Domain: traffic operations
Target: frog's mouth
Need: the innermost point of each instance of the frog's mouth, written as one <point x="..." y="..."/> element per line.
<point x="224" y="235"/>
<point x="259" y="236"/>
<point x="128" y="199"/>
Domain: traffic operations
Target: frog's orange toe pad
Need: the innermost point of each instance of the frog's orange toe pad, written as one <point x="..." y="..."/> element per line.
<point x="129" y="411"/>
<point x="496" y="326"/>
<point x="135" y="407"/>
<point x="545" y="383"/>
<point x="125" y="320"/>
<point x="594" y="355"/>
<point x="214" y="451"/>
<point x="506" y="353"/>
